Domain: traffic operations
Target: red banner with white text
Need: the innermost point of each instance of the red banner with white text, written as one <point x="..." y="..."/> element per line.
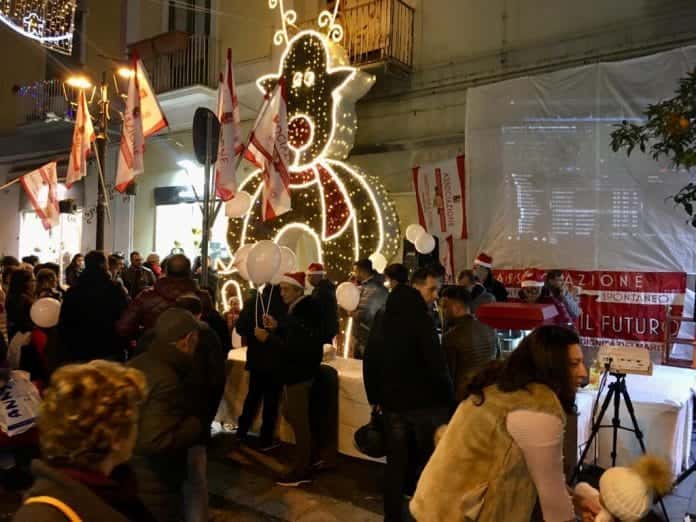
<point x="619" y="308"/>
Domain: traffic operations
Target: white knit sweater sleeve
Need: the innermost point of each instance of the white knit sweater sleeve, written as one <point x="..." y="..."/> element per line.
<point x="540" y="437"/>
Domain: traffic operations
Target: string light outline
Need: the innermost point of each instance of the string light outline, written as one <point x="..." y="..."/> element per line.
<point x="305" y="228"/>
<point x="346" y="198"/>
<point x="336" y="94"/>
<point x="42" y="39"/>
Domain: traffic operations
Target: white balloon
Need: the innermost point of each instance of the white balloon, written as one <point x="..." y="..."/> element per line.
<point x="45" y="312"/>
<point x="379" y="262"/>
<point x="239" y="205"/>
<point x="263" y="262"/>
<point x="240" y="260"/>
<point x="413" y="232"/>
<point x="348" y="296"/>
<point x="288" y="264"/>
<point x="425" y="244"/>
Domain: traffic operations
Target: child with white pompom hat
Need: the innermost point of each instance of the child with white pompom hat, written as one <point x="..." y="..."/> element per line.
<point x="627" y="494"/>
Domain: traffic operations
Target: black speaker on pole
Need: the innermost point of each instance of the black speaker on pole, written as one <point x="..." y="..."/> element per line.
<point x="67" y="206"/>
<point x="414" y="260"/>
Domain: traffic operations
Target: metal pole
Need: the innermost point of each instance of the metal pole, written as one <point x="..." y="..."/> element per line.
<point x="206" y="202"/>
<point x="101" y="158"/>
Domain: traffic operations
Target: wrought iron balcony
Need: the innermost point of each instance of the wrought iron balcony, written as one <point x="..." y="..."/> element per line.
<point x="40" y="101"/>
<point x="377" y="31"/>
<point x="178" y="60"/>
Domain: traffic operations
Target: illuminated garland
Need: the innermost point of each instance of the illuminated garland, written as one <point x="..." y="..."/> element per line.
<point x="347" y="213"/>
<point x="50" y="22"/>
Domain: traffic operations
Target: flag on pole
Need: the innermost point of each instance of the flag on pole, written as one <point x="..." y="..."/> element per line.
<point x="268" y="150"/>
<point x="83" y="137"/>
<point x="130" y="157"/>
<point x="154" y="119"/>
<point x="230" y="145"/>
<point x="41" y="186"/>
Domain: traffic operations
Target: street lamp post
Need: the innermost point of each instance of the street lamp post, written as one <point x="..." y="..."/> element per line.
<point x="102" y="138"/>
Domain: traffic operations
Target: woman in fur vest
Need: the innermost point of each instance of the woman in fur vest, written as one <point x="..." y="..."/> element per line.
<point x="503" y="448"/>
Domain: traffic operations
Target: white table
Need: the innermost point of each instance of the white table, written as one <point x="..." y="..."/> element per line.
<point x="353" y="408"/>
<point x="663" y="408"/>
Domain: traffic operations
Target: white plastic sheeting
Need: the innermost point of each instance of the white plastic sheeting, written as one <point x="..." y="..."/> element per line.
<point x="546" y="188"/>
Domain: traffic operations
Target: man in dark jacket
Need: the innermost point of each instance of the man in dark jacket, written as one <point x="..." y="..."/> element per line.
<point x="416" y="393"/>
<point x="483" y="269"/>
<point x="373" y="295"/>
<point x="297" y="344"/>
<point x="324" y="293"/>
<point x="468" y="344"/>
<point x="143" y="311"/>
<point x="479" y="294"/>
<point x="168" y="426"/>
<point x="89" y="313"/>
<point x="263" y="367"/>
<point x="137" y="277"/>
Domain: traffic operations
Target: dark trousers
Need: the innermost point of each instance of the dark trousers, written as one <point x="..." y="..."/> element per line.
<point x="409" y="438"/>
<point x="323" y="415"/>
<point x="262" y="388"/>
<point x="297" y="398"/>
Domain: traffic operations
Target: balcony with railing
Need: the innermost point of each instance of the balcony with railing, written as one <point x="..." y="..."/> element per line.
<point x="177" y="60"/>
<point x="377" y="31"/>
<point x="40" y="101"/>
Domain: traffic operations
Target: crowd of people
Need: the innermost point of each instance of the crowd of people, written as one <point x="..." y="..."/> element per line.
<point x="138" y="356"/>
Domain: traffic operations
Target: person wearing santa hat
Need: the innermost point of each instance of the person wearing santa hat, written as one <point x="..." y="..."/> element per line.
<point x="324" y="293"/>
<point x="298" y="347"/>
<point x="532" y="282"/>
<point x="483" y="266"/>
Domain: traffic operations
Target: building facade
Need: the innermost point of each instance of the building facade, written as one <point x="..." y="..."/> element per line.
<point x="424" y="55"/>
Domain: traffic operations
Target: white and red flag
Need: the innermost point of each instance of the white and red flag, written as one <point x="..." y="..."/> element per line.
<point x="83" y="137"/>
<point x="41" y="186"/>
<point x="130" y="157"/>
<point x="153" y="118"/>
<point x="268" y="150"/>
<point x="230" y="145"/>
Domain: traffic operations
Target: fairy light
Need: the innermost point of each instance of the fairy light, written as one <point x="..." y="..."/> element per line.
<point x="348" y="214"/>
<point x="237" y="290"/>
<point x="50" y="23"/>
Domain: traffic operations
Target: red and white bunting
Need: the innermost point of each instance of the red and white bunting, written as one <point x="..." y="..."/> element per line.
<point x="41" y="186"/>
<point x="153" y="118"/>
<point x="83" y="137"/>
<point x="268" y="150"/>
<point x="130" y="157"/>
<point x="230" y="145"/>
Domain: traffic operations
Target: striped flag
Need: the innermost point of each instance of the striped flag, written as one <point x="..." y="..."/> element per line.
<point x="268" y="150"/>
<point x="83" y="137"/>
<point x="41" y="186"/>
<point x="230" y="145"/>
<point x="130" y="157"/>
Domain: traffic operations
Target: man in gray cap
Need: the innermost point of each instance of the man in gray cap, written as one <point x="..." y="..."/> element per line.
<point x="168" y="427"/>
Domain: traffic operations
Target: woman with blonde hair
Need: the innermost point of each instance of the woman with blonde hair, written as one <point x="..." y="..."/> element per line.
<point x="87" y="431"/>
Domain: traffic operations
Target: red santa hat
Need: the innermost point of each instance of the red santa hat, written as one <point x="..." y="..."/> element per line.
<point x="316" y="269"/>
<point x="484" y="260"/>
<point x="532" y="278"/>
<point x="295" y="279"/>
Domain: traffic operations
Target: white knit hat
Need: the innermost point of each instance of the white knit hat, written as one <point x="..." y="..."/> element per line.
<point x="625" y="494"/>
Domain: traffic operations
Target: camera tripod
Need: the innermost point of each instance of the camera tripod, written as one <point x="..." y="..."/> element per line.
<point x="617" y="391"/>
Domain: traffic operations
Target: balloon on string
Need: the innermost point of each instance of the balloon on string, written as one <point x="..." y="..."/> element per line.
<point x="45" y="312"/>
<point x="288" y="264"/>
<point x="348" y="296"/>
<point x="263" y="262"/>
<point x="379" y="262"/>
<point x="425" y="244"/>
<point x="240" y="260"/>
<point x="239" y="205"/>
<point x="413" y="232"/>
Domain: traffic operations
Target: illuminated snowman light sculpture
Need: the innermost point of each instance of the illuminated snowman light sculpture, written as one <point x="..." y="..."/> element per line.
<point x="348" y="213"/>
